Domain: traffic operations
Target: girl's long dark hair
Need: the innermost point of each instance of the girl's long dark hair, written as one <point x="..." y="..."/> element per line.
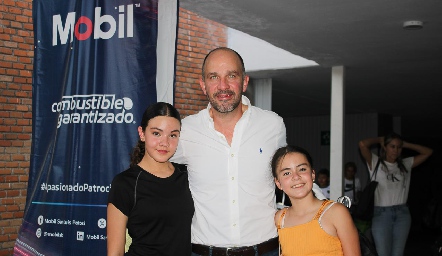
<point x="154" y="110"/>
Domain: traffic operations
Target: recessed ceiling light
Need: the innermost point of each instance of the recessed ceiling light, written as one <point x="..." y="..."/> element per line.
<point x="413" y="24"/>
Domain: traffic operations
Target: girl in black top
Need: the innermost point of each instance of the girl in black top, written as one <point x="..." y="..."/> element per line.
<point x="152" y="198"/>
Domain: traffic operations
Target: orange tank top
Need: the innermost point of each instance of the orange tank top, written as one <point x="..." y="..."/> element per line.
<point x="308" y="238"/>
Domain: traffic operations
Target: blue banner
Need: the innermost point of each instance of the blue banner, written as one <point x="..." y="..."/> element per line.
<point x="95" y="72"/>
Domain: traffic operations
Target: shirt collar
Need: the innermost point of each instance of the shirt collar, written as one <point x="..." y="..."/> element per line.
<point x="246" y="114"/>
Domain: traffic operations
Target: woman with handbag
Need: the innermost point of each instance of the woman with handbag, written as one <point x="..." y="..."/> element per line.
<point x="391" y="220"/>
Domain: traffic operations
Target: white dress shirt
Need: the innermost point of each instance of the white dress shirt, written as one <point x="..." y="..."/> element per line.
<point x="232" y="185"/>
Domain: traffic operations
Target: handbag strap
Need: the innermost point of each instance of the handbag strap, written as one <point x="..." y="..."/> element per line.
<point x="375" y="170"/>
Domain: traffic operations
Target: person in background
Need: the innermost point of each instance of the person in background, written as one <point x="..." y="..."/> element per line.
<point x="227" y="148"/>
<point x="391" y="220"/>
<point x="323" y="181"/>
<point x="352" y="184"/>
<point x="310" y="226"/>
<point x="152" y="198"/>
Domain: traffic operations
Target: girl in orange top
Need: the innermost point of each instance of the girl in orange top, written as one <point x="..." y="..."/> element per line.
<point x="310" y="226"/>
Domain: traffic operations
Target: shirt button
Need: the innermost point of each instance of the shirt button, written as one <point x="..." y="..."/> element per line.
<point x="233" y="201"/>
<point x="232" y="155"/>
<point x="234" y="224"/>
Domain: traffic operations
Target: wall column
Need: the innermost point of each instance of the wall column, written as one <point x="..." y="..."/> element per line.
<point x="261" y="93"/>
<point x="337" y="132"/>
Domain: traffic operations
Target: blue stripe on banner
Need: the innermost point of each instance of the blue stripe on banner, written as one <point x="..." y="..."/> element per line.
<point x="69" y="204"/>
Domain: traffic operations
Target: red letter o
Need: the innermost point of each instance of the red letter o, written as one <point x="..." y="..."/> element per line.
<point x="85" y="35"/>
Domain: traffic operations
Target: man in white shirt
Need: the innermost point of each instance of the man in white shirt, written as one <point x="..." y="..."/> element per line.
<point x="227" y="148"/>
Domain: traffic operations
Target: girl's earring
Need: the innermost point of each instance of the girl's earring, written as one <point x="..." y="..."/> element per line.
<point x="142" y="139"/>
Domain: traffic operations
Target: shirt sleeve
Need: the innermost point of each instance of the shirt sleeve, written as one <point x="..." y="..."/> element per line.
<point x="374" y="161"/>
<point x="121" y="194"/>
<point x="282" y="139"/>
<point x="408" y="163"/>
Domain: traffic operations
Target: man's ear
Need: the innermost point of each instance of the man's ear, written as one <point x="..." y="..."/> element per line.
<point x="245" y="83"/>
<point x="277" y="183"/>
<point x="203" y="85"/>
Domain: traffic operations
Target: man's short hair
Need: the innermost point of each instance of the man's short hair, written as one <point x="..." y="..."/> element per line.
<point x="243" y="69"/>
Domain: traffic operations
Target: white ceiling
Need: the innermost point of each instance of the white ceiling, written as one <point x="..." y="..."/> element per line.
<point x="388" y="69"/>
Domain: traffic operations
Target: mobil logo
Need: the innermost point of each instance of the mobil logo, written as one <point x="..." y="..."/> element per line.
<point x="83" y="27"/>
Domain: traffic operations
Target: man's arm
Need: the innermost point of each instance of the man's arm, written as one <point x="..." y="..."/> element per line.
<point x="282" y="139"/>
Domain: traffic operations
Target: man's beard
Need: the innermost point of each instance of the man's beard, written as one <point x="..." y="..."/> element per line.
<point x="225" y="106"/>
